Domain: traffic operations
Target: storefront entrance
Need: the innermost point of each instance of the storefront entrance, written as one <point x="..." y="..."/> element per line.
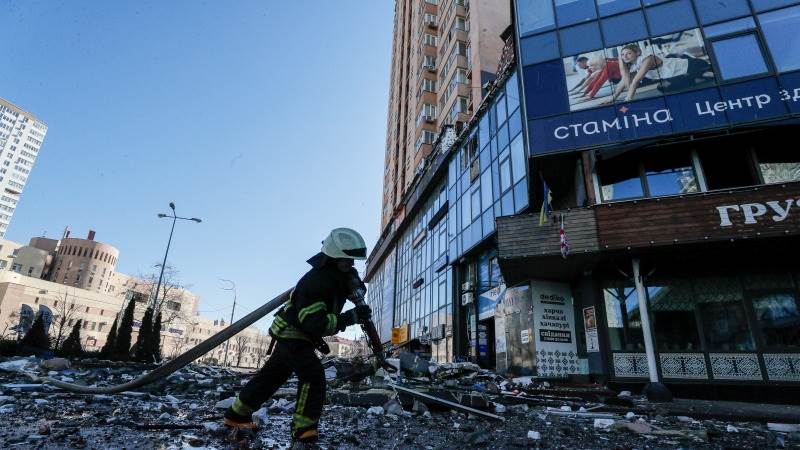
<point x="486" y="344"/>
<point x="742" y="327"/>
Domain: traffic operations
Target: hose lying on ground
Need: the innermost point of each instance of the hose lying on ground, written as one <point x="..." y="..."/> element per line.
<point x="179" y="362"/>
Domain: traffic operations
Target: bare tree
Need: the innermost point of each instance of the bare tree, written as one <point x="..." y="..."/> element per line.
<point x="9" y="328"/>
<point x="179" y="343"/>
<point x="262" y="345"/>
<point x="65" y="312"/>
<point x="170" y="301"/>
<point x="242" y="340"/>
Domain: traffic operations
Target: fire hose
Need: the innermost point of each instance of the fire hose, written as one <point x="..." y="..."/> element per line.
<point x="358" y="297"/>
<point x="179" y="362"/>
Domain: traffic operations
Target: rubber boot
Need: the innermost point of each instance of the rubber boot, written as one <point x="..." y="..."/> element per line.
<point x="242" y="429"/>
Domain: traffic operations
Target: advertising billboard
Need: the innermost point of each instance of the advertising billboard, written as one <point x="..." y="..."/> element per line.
<point x="657" y="70"/>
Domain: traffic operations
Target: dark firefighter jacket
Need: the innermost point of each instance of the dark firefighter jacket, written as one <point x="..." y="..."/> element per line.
<point x="314" y="305"/>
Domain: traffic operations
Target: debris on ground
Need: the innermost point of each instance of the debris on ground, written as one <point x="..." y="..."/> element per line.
<point x="363" y="411"/>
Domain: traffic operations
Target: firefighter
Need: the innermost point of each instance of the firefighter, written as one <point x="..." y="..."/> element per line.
<point x="314" y="310"/>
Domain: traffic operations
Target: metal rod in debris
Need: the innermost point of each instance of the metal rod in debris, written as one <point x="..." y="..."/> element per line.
<point x="440" y="401"/>
<point x="167" y="426"/>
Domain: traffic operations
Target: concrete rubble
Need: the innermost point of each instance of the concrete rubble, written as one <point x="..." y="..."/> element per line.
<point x="185" y="409"/>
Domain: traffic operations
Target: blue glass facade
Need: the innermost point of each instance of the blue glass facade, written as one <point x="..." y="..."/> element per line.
<point x="599" y="72"/>
<point x="485" y="177"/>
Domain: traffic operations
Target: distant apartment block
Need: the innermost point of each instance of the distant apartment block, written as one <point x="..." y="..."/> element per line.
<point x="443" y="54"/>
<point x="21" y="138"/>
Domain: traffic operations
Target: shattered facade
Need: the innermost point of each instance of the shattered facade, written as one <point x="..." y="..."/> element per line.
<point x="647" y="236"/>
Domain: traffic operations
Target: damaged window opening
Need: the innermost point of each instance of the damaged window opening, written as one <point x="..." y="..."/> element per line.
<point x="647" y="174"/>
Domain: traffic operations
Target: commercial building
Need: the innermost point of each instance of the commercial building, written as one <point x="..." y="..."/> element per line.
<point x="443" y="52"/>
<point x="21" y="138"/>
<point x="658" y="234"/>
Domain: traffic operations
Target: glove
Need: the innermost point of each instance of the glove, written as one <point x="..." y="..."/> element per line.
<point x="359" y="314"/>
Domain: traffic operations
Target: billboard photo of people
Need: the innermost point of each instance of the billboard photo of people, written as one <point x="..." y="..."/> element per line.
<point x="637" y="79"/>
<point x="682" y="61"/>
<point x="663" y="65"/>
<point x="589" y="79"/>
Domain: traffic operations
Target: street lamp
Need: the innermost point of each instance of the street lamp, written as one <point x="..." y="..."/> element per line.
<point x="232" y="288"/>
<point x="164" y="264"/>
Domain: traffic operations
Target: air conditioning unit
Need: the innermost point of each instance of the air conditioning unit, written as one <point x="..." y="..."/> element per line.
<point x="431" y="23"/>
<point x="467" y="298"/>
<point x="429" y="118"/>
<point x="430" y="67"/>
<point x="467" y="286"/>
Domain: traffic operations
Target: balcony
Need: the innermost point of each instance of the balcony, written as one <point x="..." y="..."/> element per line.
<point x="520" y="238"/>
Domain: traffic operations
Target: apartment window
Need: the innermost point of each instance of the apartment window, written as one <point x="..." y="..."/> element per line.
<point x="461" y="48"/>
<point x="460" y="76"/>
<point x="429" y="39"/>
<point x="429" y="62"/>
<point x="460" y="23"/>
<point x="16" y="268"/>
<point x="428" y="110"/>
<point x="429" y="85"/>
<point x="87" y="309"/>
<point x="427" y="137"/>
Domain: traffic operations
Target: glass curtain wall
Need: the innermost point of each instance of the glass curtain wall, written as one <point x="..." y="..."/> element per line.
<point x="487" y="178"/>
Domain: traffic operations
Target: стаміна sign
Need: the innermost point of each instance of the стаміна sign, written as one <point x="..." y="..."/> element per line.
<point x="751" y="101"/>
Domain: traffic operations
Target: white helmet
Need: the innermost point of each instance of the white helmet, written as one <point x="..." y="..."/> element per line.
<point x="344" y="243"/>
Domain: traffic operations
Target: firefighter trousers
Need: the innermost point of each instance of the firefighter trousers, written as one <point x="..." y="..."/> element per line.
<point x="290" y="356"/>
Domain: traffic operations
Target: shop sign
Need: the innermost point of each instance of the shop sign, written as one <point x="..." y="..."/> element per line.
<point x="590" y="330"/>
<point x="487" y="302"/>
<point x="592" y="342"/>
<point x="400" y="334"/>
<point x="525" y="336"/>
<point x="660" y="116"/>
<point x="554" y="322"/>
<point x="775" y="210"/>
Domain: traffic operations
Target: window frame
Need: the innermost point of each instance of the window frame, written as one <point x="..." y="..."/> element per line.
<point x="766" y="55"/>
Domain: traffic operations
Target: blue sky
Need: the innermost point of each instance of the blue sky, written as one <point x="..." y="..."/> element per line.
<point x="265" y="119"/>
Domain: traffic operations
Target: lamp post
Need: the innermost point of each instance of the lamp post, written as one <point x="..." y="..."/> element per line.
<point x="164" y="264"/>
<point x="227" y="343"/>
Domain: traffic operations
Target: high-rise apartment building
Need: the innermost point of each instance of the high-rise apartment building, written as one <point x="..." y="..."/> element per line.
<point x="21" y="137"/>
<point x="443" y="53"/>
